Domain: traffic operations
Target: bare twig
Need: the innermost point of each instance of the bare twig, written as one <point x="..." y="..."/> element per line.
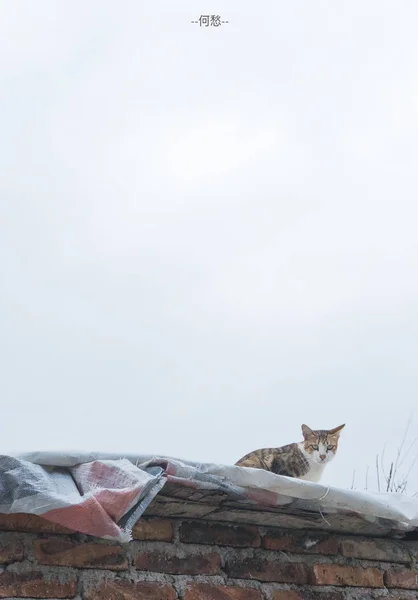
<point x="407" y="452"/>
<point x="389" y="479"/>
<point x="382" y="462"/>
<point x="411" y="467"/>
<point x="395" y="480"/>
<point x="405" y="435"/>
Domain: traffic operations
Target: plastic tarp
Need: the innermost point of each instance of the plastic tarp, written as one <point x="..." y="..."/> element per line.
<point x="104" y="495"/>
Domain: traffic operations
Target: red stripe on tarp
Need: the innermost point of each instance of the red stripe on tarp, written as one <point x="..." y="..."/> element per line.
<point x="88" y="517"/>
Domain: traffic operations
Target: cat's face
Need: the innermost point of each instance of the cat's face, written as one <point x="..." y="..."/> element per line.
<point x="320" y="446"/>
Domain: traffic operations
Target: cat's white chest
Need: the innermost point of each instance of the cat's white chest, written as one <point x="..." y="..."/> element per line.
<point x="315" y="469"/>
<point x="315" y="472"/>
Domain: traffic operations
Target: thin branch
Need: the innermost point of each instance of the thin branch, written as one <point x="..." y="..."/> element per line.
<point x="405" y="435"/>
<point x="377" y="472"/>
<point x="382" y="459"/>
<point x="389" y="479"/>
<point x="394" y="480"/>
<point x="411" y="467"/>
<point x="407" y="452"/>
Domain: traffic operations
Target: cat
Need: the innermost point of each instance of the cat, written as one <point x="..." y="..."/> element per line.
<point x="304" y="460"/>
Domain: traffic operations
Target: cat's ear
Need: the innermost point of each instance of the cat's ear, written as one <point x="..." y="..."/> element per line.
<point x="307" y="431"/>
<point x="336" y="430"/>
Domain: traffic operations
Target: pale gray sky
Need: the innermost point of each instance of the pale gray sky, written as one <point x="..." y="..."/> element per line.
<point x="208" y="235"/>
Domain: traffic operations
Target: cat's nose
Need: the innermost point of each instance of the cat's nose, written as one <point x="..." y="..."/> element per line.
<point x="322" y="456"/>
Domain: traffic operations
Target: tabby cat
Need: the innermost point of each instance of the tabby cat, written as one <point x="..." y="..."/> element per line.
<point x="304" y="460"/>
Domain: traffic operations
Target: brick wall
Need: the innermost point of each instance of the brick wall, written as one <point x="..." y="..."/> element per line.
<point x="194" y="560"/>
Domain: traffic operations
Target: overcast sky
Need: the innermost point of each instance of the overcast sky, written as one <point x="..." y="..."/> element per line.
<point x="208" y="236"/>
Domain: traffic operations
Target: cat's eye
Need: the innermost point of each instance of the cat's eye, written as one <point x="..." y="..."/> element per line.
<point x="314" y="447"/>
<point x="330" y="447"/>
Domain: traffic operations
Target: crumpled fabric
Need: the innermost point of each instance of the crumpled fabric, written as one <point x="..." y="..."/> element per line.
<point x="104" y="495"/>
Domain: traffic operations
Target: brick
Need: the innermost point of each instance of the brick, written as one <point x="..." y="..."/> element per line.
<point x="30" y="524"/>
<point x="406" y="579"/>
<point x="300" y="544"/>
<point x="205" y="591"/>
<point x="10" y="553"/>
<point x="157" y="530"/>
<point x="266" y="570"/>
<point x="68" y="553"/>
<point x="396" y="595"/>
<point x="329" y="574"/>
<point x="168" y="562"/>
<point x="125" y="590"/>
<point x="287" y="595"/>
<point x="382" y="550"/>
<point x="219" y="534"/>
<point x="329" y="596"/>
<point x="35" y="585"/>
<point x="412" y="547"/>
<point x="306" y="595"/>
